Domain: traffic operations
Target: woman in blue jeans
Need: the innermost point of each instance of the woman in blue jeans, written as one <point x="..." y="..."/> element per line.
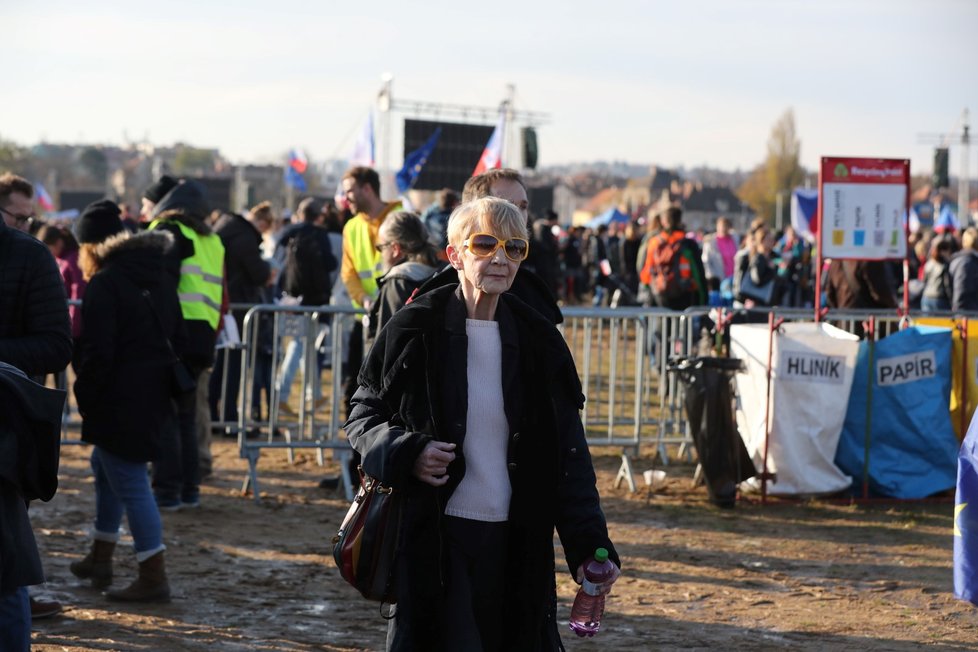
<point x="132" y="326"/>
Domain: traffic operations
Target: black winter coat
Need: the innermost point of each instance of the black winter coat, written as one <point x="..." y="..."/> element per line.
<point x="35" y="334"/>
<point x="413" y="388"/>
<point x="35" y="337"/>
<point x="123" y="386"/>
<point x="964" y="280"/>
<point x="30" y="433"/>
<point x="245" y="271"/>
<point x="325" y="248"/>
<point x="527" y="285"/>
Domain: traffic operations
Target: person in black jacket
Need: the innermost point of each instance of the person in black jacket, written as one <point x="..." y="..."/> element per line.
<point x="35" y="337"/>
<point x="195" y="261"/>
<point x="132" y="319"/>
<point x="468" y="403"/>
<point x="963" y="270"/>
<point x="246" y="273"/>
<point x="313" y="287"/>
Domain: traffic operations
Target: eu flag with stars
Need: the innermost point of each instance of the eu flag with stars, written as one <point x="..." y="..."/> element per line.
<point x="414" y="161"/>
<point x="966" y="518"/>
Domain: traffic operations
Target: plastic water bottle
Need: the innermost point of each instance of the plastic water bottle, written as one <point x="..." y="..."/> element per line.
<point x="585" y="619"/>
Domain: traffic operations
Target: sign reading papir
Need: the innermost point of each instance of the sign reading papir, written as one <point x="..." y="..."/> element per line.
<point x="902" y="369"/>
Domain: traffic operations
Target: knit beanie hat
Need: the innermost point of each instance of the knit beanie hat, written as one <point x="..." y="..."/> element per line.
<point x="158" y="190"/>
<point x="98" y="221"/>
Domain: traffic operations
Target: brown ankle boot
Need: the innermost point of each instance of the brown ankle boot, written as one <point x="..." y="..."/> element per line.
<point x="97" y="564"/>
<point x="150" y="586"/>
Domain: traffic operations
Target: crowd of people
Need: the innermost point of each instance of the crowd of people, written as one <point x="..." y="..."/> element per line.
<point x="460" y="288"/>
<point x="154" y="295"/>
<point x="656" y="262"/>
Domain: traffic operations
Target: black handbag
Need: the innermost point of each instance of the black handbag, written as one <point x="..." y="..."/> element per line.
<point x="761" y="294"/>
<point x="182" y="382"/>
<point x="365" y="548"/>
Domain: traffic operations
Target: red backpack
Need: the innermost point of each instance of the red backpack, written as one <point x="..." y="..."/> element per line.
<point x="667" y="269"/>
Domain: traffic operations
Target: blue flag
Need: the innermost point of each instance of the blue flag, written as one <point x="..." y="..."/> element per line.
<point x="966" y="518"/>
<point x="294" y="179"/>
<point x="414" y="161"/>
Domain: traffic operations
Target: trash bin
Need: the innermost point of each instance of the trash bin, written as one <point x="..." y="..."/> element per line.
<point x="709" y="408"/>
<point x="811" y="371"/>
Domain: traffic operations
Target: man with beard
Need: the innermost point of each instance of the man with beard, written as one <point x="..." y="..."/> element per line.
<point x="361" y="265"/>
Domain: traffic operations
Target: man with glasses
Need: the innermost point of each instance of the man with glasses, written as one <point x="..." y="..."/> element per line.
<point x="16" y="203"/>
<point x="35" y="337"/>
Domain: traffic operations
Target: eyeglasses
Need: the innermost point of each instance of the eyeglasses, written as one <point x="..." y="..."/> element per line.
<point x="380" y="245"/>
<point x="484" y="245"/>
<point x="19" y="219"/>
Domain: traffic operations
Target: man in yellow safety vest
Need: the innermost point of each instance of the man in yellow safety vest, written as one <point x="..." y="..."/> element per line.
<point x="196" y="259"/>
<point x="361" y="265"/>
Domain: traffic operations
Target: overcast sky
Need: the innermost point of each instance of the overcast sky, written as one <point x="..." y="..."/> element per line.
<point x="675" y="83"/>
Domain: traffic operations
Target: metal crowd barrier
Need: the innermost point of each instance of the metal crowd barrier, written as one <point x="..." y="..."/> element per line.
<point x="616" y="351"/>
<point x="622" y="355"/>
<point x="306" y="429"/>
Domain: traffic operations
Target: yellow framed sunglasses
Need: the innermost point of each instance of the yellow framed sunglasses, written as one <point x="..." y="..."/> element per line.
<point x="484" y="245"/>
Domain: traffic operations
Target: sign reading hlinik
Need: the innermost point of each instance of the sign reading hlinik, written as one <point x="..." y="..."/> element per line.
<point x="813" y="367"/>
<point x="906" y="368"/>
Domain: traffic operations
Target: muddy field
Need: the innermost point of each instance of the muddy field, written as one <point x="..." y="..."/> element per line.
<point x="789" y="576"/>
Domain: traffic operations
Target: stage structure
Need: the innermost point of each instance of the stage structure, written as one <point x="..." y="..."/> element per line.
<point x="406" y="124"/>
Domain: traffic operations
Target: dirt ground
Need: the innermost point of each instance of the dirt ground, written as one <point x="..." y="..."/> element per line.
<point x="785" y="576"/>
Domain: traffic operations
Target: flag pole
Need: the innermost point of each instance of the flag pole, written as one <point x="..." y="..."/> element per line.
<point x="871" y="343"/>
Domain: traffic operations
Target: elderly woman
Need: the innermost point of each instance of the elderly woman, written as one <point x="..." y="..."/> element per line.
<point x="409" y="260"/>
<point x="468" y="403"/>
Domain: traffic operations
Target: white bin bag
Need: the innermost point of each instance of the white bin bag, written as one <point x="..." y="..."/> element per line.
<point x="813" y="366"/>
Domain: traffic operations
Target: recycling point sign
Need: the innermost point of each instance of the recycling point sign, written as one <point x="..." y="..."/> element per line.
<point x="863" y="203"/>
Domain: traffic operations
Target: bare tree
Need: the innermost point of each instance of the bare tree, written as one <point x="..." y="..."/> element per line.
<point x="781" y="171"/>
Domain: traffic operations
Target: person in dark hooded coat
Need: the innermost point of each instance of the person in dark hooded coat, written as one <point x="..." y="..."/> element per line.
<point x="132" y="319"/>
<point x="195" y="260"/>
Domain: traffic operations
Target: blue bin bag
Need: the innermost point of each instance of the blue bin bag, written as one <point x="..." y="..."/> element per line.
<point x="913" y="450"/>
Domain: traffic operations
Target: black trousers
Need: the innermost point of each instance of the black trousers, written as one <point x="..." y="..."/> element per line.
<point x="470" y="617"/>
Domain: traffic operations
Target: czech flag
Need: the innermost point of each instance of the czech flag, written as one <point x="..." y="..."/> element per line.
<point x="966" y="518"/>
<point x="804" y="212"/>
<point x="297" y="160"/>
<point x="43" y="198"/>
<point x="492" y="155"/>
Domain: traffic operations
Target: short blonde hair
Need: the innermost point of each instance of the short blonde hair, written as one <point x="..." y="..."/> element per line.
<point x="968" y="237"/>
<point x="486" y="215"/>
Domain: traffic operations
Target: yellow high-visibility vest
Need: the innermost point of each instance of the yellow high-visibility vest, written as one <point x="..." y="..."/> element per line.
<point x="201" y="285"/>
<point x="366" y="259"/>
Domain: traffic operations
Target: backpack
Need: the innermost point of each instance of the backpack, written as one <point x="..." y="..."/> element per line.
<point x="668" y="270"/>
<point x="304" y="271"/>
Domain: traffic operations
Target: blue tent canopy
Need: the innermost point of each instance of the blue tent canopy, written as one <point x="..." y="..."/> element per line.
<point x="607" y="217"/>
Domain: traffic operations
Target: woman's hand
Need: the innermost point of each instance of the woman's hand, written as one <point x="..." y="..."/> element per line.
<point x="604" y="587"/>
<point x="432" y="464"/>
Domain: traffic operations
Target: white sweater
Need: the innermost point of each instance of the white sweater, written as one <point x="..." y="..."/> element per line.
<point x="484" y="492"/>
